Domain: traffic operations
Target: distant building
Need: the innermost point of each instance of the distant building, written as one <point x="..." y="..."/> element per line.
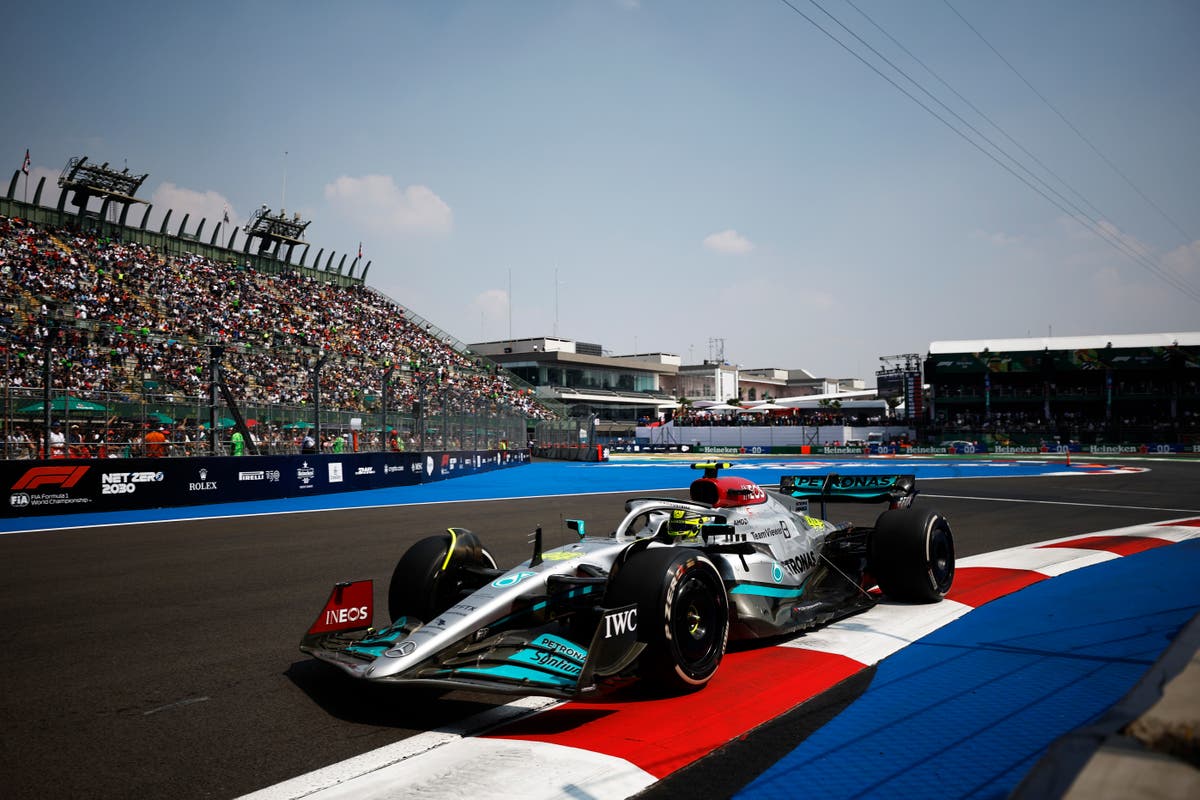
<point x="643" y="386"/>
<point x="772" y="383"/>
<point x="710" y="380"/>
<point x="578" y="374"/>
<point x="1133" y="386"/>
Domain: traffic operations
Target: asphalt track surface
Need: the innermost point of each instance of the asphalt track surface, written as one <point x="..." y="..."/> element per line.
<point x="160" y="659"/>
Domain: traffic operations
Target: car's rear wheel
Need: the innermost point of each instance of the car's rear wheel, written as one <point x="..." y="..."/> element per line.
<point x="912" y="555"/>
<point x="683" y="615"/>
<point x="433" y="574"/>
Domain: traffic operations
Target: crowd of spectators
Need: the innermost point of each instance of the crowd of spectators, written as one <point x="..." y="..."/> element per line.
<point x="98" y="438"/>
<point x="139" y="316"/>
<point x="790" y="417"/>
<point x="1069" y="425"/>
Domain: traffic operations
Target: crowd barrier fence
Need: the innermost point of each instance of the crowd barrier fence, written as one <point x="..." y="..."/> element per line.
<point x="594" y="452"/>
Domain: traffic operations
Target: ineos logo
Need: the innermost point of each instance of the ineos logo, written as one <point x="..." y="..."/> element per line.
<point x="341" y="616"/>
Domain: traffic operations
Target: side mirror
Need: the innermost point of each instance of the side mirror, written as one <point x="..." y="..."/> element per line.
<point x="578" y="526"/>
<point x="716" y="531"/>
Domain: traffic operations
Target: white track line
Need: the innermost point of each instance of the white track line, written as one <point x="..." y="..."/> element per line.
<point x="1061" y="503"/>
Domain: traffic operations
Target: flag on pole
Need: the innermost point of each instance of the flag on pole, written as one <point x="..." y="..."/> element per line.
<point x="225" y="219"/>
<point x="360" y="249"/>
<point x="25" y="164"/>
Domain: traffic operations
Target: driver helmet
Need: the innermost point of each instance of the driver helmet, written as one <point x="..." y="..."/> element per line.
<point x="682" y="527"/>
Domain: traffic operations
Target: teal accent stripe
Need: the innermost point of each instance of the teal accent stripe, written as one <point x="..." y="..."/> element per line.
<point x="381" y="641"/>
<point x="539" y="606"/>
<point x="374" y="652"/>
<point x="516" y="673"/>
<point x="766" y="591"/>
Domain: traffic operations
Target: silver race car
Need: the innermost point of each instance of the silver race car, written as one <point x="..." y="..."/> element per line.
<point x="657" y="599"/>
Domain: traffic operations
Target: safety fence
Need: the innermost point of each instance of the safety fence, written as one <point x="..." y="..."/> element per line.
<point x="596" y="452"/>
<point x="115" y="425"/>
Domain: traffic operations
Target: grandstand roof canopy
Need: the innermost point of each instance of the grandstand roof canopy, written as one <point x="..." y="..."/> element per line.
<point x="1121" y="340"/>
<point x="87" y="180"/>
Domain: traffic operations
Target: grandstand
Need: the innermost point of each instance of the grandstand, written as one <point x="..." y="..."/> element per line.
<point x="1086" y="389"/>
<point x="144" y="325"/>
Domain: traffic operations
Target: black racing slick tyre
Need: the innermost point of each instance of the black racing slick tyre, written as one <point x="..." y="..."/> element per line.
<point x="912" y="555"/>
<point x="683" y="615"/>
<point x="433" y="574"/>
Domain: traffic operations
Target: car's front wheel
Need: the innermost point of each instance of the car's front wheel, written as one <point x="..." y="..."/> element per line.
<point x="434" y="574"/>
<point x="682" y="615"/>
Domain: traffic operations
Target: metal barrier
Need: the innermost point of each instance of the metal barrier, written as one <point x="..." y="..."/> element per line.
<point x="563" y="436"/>
<point x="114" y="425"/>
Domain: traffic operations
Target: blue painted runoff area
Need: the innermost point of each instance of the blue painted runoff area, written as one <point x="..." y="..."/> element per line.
<point x="547" y="479"/>
<point x="967" y="711"/>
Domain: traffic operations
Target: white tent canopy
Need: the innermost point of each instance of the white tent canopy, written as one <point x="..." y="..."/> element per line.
<point x="718" y="408"/>
<point x="803" y="401"/>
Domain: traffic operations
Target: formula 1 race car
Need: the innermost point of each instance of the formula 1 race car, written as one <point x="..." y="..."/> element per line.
<point x="657" y="599"/>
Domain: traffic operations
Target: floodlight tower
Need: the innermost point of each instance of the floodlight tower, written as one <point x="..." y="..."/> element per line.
<point x="90" y="180"/>
<point x="899" y="376"/>
<point x="274" y="232"/>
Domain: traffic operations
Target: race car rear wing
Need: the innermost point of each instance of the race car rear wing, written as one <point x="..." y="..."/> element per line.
<point x="897" y="491"/>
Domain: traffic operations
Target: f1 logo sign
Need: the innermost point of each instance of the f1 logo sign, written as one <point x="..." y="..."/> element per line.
<point x="62" y="477"/>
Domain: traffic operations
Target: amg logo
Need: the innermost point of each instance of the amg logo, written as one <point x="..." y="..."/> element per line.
<point x="621" y="622"/>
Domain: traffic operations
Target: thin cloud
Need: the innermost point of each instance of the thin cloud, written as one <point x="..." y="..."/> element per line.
<point x="1184" y="261"/>
<point x="384" y="207"/>
<point x="208" y="205"/>
<point x="493" y="303"/>
<point x="999" y="238"/>
<point x="728" y="241"/>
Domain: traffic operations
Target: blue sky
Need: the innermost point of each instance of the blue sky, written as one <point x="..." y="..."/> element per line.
<point x="662" y="174"/>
